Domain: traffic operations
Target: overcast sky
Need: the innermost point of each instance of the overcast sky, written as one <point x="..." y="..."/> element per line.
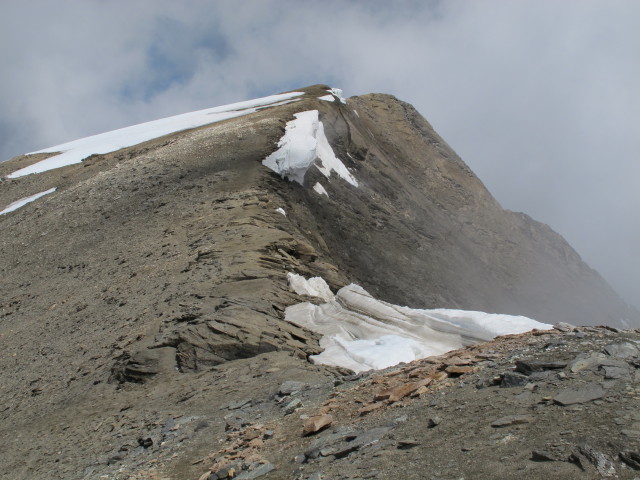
<point x="540" y="98"/>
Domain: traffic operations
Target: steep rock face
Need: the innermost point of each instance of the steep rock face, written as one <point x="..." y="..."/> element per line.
<point x="150" y="266"/>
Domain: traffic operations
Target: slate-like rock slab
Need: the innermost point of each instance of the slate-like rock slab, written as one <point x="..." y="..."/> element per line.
<point x="582" y="395"/>
<point x="530" y="366"/>
<point x="622" y="350"/>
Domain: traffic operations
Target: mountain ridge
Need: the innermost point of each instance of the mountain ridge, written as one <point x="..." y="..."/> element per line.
<point x="155" y="271"/>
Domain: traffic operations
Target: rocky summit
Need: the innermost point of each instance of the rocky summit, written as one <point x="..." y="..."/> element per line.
<point x="146" y="280"/>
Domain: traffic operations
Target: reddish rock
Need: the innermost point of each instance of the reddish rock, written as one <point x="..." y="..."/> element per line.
<point x="316" y="424"/>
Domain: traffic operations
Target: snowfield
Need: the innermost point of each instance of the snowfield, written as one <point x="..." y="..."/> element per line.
<point x="77" y="150"/>
<point x="362" y="333"/>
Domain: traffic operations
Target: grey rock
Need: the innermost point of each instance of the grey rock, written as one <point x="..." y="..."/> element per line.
<point x="586" y="362"/>
<point x="616" y="372"/>
<point x="622" y="350"/>
<point x="529" y="366"/>
<point x="564" y="327"/>
<point x="510" y="380"/>
<point x="362" y="440"/>
<point x="543" y="456"/>
<point x="239" y="404"/>
<point x="631" y="433"/>
<point x="631" y="458"/>
<point x="290" y="387"/>
<point x="292" y="406"/>
<point x="433" y="422"/>
<point x="582" y="395"/>
<point x="511" y="420"/>
<point x="261" y="470"/>
<point x="603" y="464"/>
<point x="315" y="476"/>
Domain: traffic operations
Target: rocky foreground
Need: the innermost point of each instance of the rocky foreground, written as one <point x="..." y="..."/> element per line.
<point x="548" y="404"/>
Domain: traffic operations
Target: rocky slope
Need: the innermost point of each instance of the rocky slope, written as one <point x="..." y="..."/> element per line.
<point x="147" y="294"/>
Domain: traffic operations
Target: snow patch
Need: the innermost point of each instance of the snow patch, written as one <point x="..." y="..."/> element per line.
<point x="314" y="287"/>
<point x="327" y="98"/>
<point x="23" y="201"/>
<point x="281" y="210"/>
<point x="304" y="144"/>
<point x="320" y="189"/>
<point x="77" y="150"/>
<point x="338" y="93"/>
<point x="356" y="112"/>
<point x="363" y="333"/>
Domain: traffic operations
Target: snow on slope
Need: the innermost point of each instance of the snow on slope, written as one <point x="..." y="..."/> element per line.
<point x="23" y="201"/>
<point x="304" y="144"/>
<point x="77" y="150"/>
<point x="362" y="333"/>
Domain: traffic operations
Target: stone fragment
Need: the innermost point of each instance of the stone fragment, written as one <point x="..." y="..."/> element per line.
<point x="455" y="370"/>
<point x="582" y="395"/>
<point x="316" y="424"/>
<point x="511" y="420"/>
<point x="622" y="350"/>
<point x="398" y="393"/>
<point x="542" y="456"/>
<point x="257" y="472"/>
<point x="292" y="406"/>
<point x="603" y="464"/>
<point x="370" y="408"/>
<point x="614" y="373"/>
<point x="458" y="361"/>
<point x="433" y="422"/>
<point x="631" y="433"/>
<point x="362" y="440"/>
<point x="631" y="458"/>
<point x="510" y="380"/>
<point x="564" y="327"/>
<point x="586" y="361"/>
<point x="239" y="404"/>
<point x="290" y="386"/>
<point x="529" y="366"/>
<point x="408" y="443"/>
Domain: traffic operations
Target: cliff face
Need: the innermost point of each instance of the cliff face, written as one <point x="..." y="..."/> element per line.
<point x="155" y="262"/>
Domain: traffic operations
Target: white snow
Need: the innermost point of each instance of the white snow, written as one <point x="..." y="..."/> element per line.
<point x="77" y="150"/>
<point x="338" y="93"/>
<point x="281" y="210"/>
<point x="356" y="112"/>
<point x="320" y="189"/>
<point x="327" y="98"/>
<point x="304" y="144"/>
<point x="23" y="201"/>
<point x="363" y="333"/>
<point x="314" y="287"/>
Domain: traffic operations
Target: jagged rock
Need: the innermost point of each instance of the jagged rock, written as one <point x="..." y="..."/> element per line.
<point x="631" y="458"/>
<point x="510" y="380"/>
<point x="603" y="464"/>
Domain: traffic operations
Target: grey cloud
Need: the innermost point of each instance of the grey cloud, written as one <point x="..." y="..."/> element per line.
<point x="539" y="98"/>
